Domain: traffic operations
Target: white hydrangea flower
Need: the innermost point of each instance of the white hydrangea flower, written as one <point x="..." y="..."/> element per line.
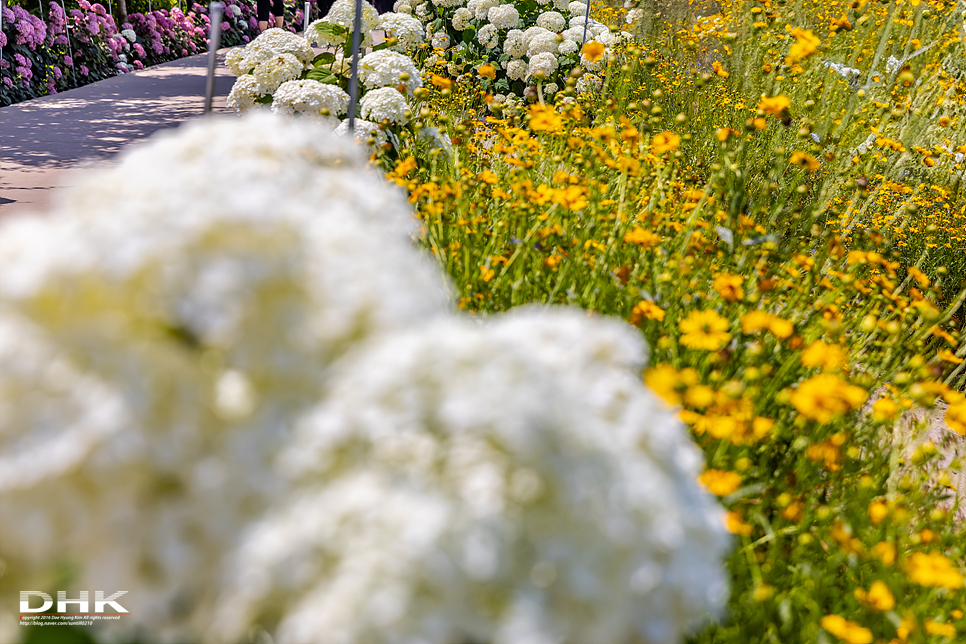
<point x="384" y="103"/>
<point x="504" y="16"/>
<point x="575" y="34"/>
<point x="577" y="8"/>
<point x="541" y="43"/>
<point x="542" y="66"/>
<point x="342" y="13"/>
<point x="550" y="89"/>
<point x="387" y="68"/>
<point x="521" y="459"/>
<point x="634" y="16"/>
<point x="449" y="3"/>
<point x="311" y="98"/>
<point x="281" y="41"/>
<point x="588" y="84"/>
<point x="364" y="132"/>
<point x="513" y="44"/>
<point x="129" y="35"/>
<point x="552" y="21"/>
<point x="461" y="19"/>
<point x="402" y="6"/>
<point x="407" y="29"/>
<point x="488" y="36"/>
<point x="568" y="47"/>
<point x="481" y="8"/>
<point x="441" y="40"/>
<point x="424" y="11"/>
<point x="321" y="38"/>
<point x="276" y="70"/>
<point x="244" y="94"/>
<point x="532" y="32"/>
<point x="561" y="5"/>
<point x="606" y="37"/>
<point x="214" y="312"/>
<point x="434" y="139"/>
<point x="543" y="2"/>
<point x="517" y="69"/>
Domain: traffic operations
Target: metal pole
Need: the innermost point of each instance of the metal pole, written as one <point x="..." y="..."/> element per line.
<point x="214" y="39"/>
<point x="2" y="3"/>
<point x="306" y="14"/>
<point x="70" y="50"/>
<point x="354" y="71"/>
<point x="586" y="20"/>
<point x="41" y="3"/>
<point x="149" y="6"/>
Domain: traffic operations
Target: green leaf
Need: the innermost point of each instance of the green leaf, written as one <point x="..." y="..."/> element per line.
<point x="325" y="58"/>
<point x="265" y="100"/>
<point x="503" y="85"/>
<point x="469" y="35"/>
<point x="323" y="76"/>
<point x="382" y="45"/>
<point x="438" y="24"/>
<point x="330" y="28"/>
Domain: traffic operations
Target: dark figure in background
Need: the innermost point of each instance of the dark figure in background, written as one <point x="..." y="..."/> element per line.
<point x="384" y="6"/>
<point x="277" y="8"/>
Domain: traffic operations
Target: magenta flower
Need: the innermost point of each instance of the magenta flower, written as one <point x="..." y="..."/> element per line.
<point x="138" y="64"/>
<point x="7" y="81"/>
<point x="83" y="70"/>
<point x="68" y="61"/>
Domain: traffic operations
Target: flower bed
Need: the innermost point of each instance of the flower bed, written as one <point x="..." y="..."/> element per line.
<point x="39" y="58"/>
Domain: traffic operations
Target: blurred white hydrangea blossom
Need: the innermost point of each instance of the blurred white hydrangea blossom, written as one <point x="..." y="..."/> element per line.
<point x="504" y="16"/>
<point x="511" y="483"/>
<point x="192" y="327"/>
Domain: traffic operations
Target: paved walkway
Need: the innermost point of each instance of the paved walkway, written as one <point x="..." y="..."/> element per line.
<point x="43" y="140"/>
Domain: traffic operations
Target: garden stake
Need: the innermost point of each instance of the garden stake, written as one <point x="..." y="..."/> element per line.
<point x="354" y="72"/>
<point x="41" y="3"/>
<point x="586" y="20"/>
<point x="306" y="14"/>
<point x="214" y="40"/>
<point x="1" y="26"/>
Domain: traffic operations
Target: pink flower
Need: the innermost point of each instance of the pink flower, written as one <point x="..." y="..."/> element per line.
<point x="84" y="71"/>
<point x="138" y="64"/>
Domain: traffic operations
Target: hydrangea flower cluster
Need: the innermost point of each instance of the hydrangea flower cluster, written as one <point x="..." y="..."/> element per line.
<point x="517" y="39"/>
<point x="254" y="392"/>
<point x="201" y="324"/>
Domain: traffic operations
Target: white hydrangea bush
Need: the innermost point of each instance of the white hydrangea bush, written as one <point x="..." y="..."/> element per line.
<point x="512" y="483"/>
<point x="467" y="34"/>
<point x="155" y="357"/>
<point x="280" y="71"/>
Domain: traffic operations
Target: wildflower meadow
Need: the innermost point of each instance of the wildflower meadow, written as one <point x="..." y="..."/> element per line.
<point x="593" y="324"/>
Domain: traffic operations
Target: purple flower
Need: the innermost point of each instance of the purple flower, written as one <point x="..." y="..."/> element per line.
<point x="84" y="71"/>
<point x="4" y="64"/>
<point x="3" y="39"/>
<point x="7" y="81"/>
<point x="20" y="60"/>
<point x="61" y="40"/>
<point x="225" y="26"/>
<point x="246" y="38"/>
<point x="184" y="52"/>
<point x="25" y="72"/>
<point x="138" y="64"/>
<point x="253" y="22"/>
<point x="139" y="50"/>
<point x="68" y="61"/>
<point x="57" y="73"/>
<point x="92" y="25"/>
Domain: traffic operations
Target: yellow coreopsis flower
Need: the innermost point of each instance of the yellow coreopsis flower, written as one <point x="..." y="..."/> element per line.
<point x="544" y="118"/>
<point x="825" y="397"/>
<point x="487" y="71"/>
<point x="804" y="160"/>
<point x="593" y="51"/>
<point x="704" y="330"/>
<point x="850" y="632"/>
<point x="645" y="310"/>
<point x="806" y="43"/>
<point x="736" y="525"/>
<point x="665" y="142"/>
<point x="933" y="570"/>
<point x="956" y="417"/>
<point x="720" y="482"/>
<point x="728" y="286"/>
<point x="643" y="237"/>
<point x="774" y="105"/>
<point x="828" y="357"/>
